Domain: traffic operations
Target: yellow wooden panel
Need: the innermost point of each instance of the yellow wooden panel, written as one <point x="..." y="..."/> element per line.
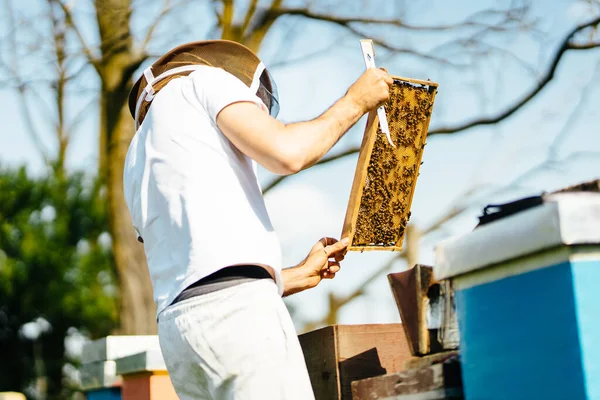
<point x="385" y="178"/>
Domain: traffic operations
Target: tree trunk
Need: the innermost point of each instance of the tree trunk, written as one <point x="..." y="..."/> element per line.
<point x="137" y="308"/>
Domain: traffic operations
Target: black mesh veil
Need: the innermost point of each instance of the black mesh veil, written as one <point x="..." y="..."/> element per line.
<point x="267" y="92"/>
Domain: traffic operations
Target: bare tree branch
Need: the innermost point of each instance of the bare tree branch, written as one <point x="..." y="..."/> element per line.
<point x="168" y="6"/>
<point x="249" y="15"/>
<point x="552" y="159"/>
<point x="59" y="31"/>
<point x="22" y="88"/>
<point x="335" y="157"/>
<point x="84" y="112"/>
<point x="344" y="21"/>
<point x="227" y="19"/>
<point x="404" y="50"/>
<point x="108" y="45"/>
<point x="31" y="129"/>
<point x="87" y="50"/>
<point x="586" y="46"/>
<point x="350" y="23"/>
<point x="255" y="35"/>
<point x="303" y="58"/>
<point x="565" y="46"/>
<point x="548" y="76"/>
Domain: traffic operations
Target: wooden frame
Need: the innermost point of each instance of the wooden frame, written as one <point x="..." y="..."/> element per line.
<point x="372" y="132"/>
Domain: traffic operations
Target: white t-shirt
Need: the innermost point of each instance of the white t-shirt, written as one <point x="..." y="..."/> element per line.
<point x="194" y="198"/>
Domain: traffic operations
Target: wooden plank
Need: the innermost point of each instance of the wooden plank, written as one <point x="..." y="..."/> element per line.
<point x="431" y="359"/>
<point x="434" y="378"/>
<point x="337" y="355"/>
<point x="359" y="176"/>
<point x="365" y="351"/>
<point x="389" y="340"/>
<point x="320" y="354"/>
<point x="416" y="81"/>
<point x="440" y="394"/>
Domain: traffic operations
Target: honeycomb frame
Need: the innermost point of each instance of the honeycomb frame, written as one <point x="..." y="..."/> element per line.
<point x="385" y="178"/>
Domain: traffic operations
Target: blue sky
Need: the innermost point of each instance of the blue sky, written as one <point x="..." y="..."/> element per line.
<point x="313" y="203"/>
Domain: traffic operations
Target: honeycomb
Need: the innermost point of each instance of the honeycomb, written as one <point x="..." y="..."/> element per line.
<point x="385" y="178"/>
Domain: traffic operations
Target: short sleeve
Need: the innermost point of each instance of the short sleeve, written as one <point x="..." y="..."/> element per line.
<point x="216" y="88"/>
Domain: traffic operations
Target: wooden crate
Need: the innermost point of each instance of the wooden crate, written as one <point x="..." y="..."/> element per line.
<point x="385" y="178"/>
<point x="145" y="377"/>
<point x="339" y="354"/>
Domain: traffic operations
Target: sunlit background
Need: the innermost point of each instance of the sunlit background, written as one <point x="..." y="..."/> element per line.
<point x="488" y="56"/>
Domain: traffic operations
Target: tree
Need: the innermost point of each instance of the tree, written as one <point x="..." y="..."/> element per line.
<point x="51" y="266"/>
<point x="115" y="51"/>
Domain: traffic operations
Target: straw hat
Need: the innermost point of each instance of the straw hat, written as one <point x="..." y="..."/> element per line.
<point x="232" y="57"/>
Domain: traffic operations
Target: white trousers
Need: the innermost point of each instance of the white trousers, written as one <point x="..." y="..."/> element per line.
<point x="237" y="343"/>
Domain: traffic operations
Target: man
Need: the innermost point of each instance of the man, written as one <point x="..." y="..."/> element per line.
<point x="204" y="114"/>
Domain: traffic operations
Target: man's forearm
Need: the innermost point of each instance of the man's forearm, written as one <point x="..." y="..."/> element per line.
<point x="295" y="279"/>
<point x="312" y="139"/>
<point x="287" y="149"/>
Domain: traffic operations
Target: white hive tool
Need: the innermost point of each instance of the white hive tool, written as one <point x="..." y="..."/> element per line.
<point x="369" y="56"/>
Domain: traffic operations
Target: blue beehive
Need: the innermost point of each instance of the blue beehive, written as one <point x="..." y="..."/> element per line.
<point x="98" y="372"/>
<point x="528" y="301"/>
<point x="113" y="393"/>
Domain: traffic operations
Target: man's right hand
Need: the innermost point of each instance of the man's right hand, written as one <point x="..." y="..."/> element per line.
<point x="371" y="89"/>
<point x="322" y="262"/>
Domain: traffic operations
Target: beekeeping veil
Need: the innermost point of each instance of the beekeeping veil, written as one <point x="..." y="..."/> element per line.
<point x="232" y="57"/>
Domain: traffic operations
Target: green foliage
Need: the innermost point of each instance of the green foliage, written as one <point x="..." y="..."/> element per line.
<point x="52" y="265"/>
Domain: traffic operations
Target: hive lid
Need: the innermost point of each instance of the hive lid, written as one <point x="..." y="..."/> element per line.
<point x="118" y="346"/>
<point x="151" y="360"/>
<point x="563" y="219"/>
<point x="99" y="374"/>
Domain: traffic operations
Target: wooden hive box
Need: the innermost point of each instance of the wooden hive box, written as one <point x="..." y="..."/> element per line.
<point x="340" y="354"/>
<point x="385" y="178"/>
<point x="145" y="377"/>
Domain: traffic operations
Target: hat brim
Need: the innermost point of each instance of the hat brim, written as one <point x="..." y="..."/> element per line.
<point x="225" y="46"/>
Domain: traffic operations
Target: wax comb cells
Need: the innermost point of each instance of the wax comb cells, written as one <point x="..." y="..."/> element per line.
<point x="384" y="182"/>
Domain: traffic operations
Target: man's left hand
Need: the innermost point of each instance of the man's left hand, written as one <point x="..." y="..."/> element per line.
<point x="322" y="262"/>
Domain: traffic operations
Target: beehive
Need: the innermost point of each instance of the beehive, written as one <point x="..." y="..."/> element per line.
<point x="385" y="178"/>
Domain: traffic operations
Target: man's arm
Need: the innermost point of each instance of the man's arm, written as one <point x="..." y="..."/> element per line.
<point x="287" y="149"/>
